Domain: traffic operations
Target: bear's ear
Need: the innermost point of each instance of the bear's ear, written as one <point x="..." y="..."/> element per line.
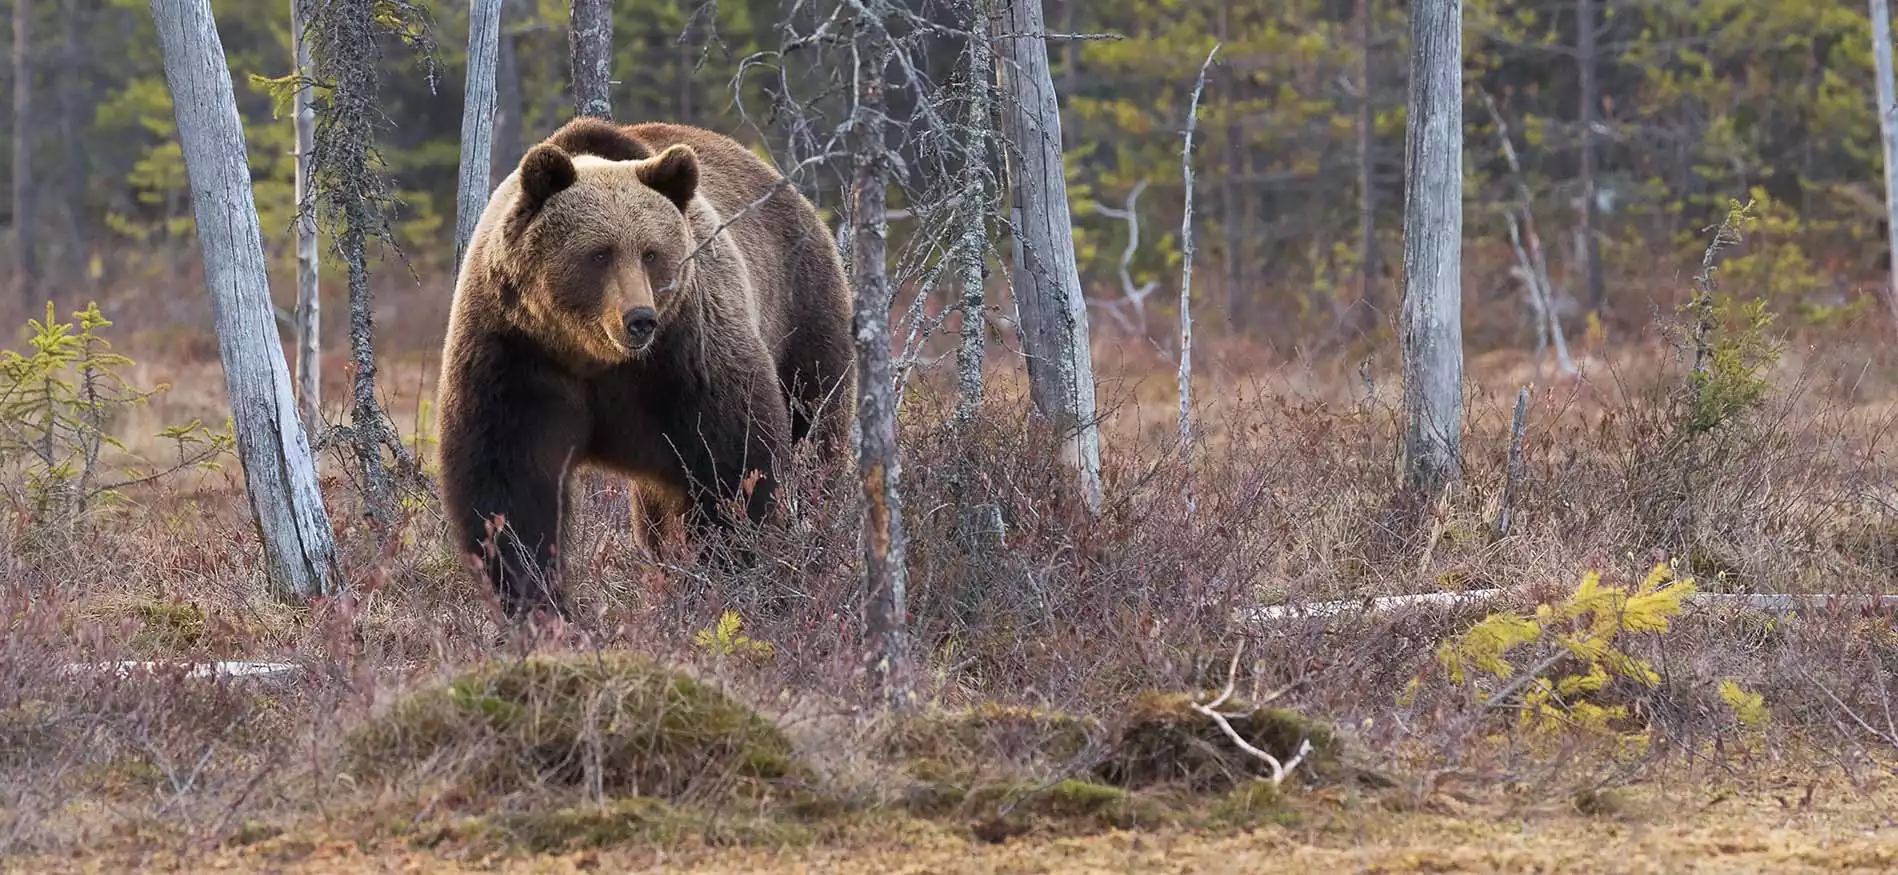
<point x="588" y="135"/>
<point x="675" y="174"/>
<point x="546" y="170"/>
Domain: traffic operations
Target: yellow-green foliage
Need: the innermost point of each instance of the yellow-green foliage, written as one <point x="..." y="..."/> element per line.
<point x="1731" y="348"/>
<point x="613" y="721"/>
<point x="1749" y="707"/>
<point x="57" y="408"/>
<point x="1586" y="628"/>
<point x="727" y="638"/>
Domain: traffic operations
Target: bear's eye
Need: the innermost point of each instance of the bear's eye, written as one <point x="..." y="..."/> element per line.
<point x="602" y="255"/>
<point x="649" y="256"/>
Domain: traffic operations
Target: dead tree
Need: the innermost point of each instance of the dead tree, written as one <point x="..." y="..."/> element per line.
<point x="26" y="270"/>
<point x="1186" y="273"/>
<point x="1047" y="283"/>
<point x="279" y="469"/>
<point x="1888" y="134"/>
<point x="590" y="43"/>
<point x="1533" y="264"/>
<point x="1433" y="248"/>
<point x="345" y="48"/>
<point x="879" y="463"/>
<point x="309" y="304"/>
<point x="973" y="247"/>
<point x="477" y="120"/>
<point x="1131" y="296"/>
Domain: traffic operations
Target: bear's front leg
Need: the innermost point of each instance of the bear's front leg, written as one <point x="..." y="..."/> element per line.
<point x="506" y="452"/>
<point x="743" y="437"/>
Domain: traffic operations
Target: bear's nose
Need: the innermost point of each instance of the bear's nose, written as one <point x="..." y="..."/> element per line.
<point x="640" y="322"/>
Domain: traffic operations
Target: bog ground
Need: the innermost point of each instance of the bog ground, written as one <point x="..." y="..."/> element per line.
<point x="700" y="721"/>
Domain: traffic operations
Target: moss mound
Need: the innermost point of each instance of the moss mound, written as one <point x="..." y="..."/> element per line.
<point x="1163" y="740"/>
<point x="1013" y="733"/>
<point x="616" y="723"/>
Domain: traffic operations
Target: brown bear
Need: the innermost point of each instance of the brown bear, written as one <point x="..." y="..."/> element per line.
<point x="652" y="300"/>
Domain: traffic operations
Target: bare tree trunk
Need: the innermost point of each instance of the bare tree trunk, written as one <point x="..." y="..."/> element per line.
<point x="972" y="252"/>
<point x="1053" y="314"/>
<point x="590" y="42"/>
<point x="1535" y="263"/>
<point x="1433" y="248"/>
<point x="279" y="470"/>
<point x="509" y="106"/>
<point x="879" y="463"/>
<point x="1888" y="132"/>
<point x="1591" y="243"/>
<point x="309" y="304"/>
<point x="1186" y="274"/>
<point x="344" y="54"/>
<point x="26" y="271"/>
<point x="1368" y="303"/>
<point x="477" y="121"/>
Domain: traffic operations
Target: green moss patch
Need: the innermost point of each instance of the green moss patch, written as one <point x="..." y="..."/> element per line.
<point x="613" y="723"/>
<point x="1010" y="733"/>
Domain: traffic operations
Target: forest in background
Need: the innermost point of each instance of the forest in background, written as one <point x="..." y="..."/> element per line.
<point x="1694" y="103"/>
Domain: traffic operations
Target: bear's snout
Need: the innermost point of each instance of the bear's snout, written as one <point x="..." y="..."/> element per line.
<point x="640" y="324"/>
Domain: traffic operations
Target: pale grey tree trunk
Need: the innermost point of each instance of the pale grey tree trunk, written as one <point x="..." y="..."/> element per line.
<point x="1433" y="247"/>
<point x="509" y="105"/>
<point x="477" y="120"/>
<point x="279" y="470"/>
<point x="1186" y="271"/>
<point x="1591" y="243"/>
<point x="590" y="42"/>
<point x="309" y="304"/>
<point x="25" y="222"/>
<point x="972" y="249"/>
<point x="1052" y="315"/>
<point x="1888" y="132"/>
<point x="879" y="462"/>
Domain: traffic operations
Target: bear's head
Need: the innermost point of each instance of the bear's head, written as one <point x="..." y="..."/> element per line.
<point x="596" y="252"/>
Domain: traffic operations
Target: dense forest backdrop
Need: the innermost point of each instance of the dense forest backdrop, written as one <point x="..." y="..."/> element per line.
<point x="1693" y="104"/>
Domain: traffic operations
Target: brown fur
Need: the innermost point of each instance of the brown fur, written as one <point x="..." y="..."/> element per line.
<point x="542" y="373"/>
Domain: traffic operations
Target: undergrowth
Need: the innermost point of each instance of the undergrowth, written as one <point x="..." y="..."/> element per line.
<point x="1059" y="654"/>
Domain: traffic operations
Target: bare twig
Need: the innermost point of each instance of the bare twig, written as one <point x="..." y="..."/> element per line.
<point x="1514" y="477"/>
<point x="1210" y="709"/>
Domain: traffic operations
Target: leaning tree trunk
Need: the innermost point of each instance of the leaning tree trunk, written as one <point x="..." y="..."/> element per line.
<point x="1433" y="240"/>
<point x="1053" y="315"/>
<point x="1888" y="132"/>
<point x="477" y="120"/>
<point x="879" y="464"/>
<point x="590" y="40"/>
<point x="26" y="271"/>
<point x="279" y="470"/>
<point x="309" y="305"/>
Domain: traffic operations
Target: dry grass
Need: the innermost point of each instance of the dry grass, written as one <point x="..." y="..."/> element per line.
<point x="1062" y="635"/>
